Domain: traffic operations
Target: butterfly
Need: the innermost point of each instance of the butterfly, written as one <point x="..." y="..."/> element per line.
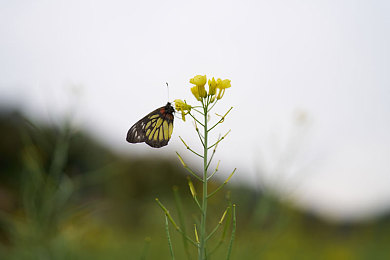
<point x="155" y="129"/>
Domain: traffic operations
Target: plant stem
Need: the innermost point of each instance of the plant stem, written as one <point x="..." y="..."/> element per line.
<point x="202" y="255"/>
<point x="181" y="220"/>
<point x="169" y="238"/>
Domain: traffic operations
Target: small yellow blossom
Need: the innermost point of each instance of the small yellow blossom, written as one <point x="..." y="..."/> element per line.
<point x="195" y="92"/>
<point x="199" y="80"/>
<point x="222" y="85"/>
<point x="182" y="107"/>
<point x="212" y="86"/>
<point x="198" y="90"/>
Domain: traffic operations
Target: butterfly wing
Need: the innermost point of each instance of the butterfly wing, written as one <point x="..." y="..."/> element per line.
<point x="155" y="129"/>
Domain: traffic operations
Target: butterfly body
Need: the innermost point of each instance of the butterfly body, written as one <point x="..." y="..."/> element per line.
<point x="155" y="129"/>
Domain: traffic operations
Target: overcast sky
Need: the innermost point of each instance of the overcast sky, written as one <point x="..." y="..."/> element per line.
<point x="310" y="84"/>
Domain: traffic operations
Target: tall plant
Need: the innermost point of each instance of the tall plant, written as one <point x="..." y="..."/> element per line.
<point x="201" y="116"/>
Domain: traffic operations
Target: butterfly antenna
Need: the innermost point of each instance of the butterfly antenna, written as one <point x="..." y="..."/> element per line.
<point x="167" y="90"/>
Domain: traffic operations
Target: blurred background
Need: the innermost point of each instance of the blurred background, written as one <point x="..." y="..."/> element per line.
<point x="309" y="126"/>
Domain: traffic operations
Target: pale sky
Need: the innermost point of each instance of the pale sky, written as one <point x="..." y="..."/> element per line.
<point x="310" y="84"/>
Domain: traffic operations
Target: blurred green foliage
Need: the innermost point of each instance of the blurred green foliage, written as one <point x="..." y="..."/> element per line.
<point x="65" y="196"/>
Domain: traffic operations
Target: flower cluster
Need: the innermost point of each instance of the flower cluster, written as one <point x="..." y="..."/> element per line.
<point x="182" y="107"/>
<point x="215" y="92"/>
<point x="200" y="92"/>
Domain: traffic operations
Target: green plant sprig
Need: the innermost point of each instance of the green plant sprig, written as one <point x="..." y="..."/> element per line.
<point x="208" y="100"/>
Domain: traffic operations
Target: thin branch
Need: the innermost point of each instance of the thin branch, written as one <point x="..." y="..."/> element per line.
<point x="223" y="184"/>
<point x="174" y="223"/>
<point x="196" y="234"/>
<point x="193" y="192"/>
<point x="233" y="233"/>
<point x="200" y="136"/>
<point x="211" y="158"/>
<point x="188" y="168"/>
<point x="196" y="119"/>
<point x="169" y="237"/>
<point x="209" y="98"/>
<point x="190" y="148"/>
<point x="197" y="203"/>
<point x="221" y="120"/>
<point x="181" y="219"/>
<point x="188" y="238"/>
<point x="212" y="106"/>
<point x="216" y="169"/>
<point x="167" y="213"/>
<point x="219" y="140"/>
<point x="225" y="229"/>
<point x="197" y="111"/>
<point x="218" y="225"/>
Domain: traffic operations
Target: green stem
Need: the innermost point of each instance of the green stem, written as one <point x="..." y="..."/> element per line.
<point x="196" y="119"/>
<point x="212" y="155"/>
<point x="219" y="140"/>
<point x="223" y="184"/>
<point x="202" y="255"/>
<point x="188" y="168"/>
<point x="189" y="148"/>
<point x="200" y="137"/>
<point x="216" y="169"/>
<point x="215" y="102"/>
<point x="197" y="111"/>
<point x="233" y="233"/>
<point x="181" y="220"/>
<point x="221" y="120"/>
<point x="167" y="214"/>
<point x="169" y="238"/>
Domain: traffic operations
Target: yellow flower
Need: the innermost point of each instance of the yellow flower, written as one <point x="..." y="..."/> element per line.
<point x="198" y="90"/>
<point x="199" y="80"/>
<point x="212" y="86"/>
<point x="182" y="107"/>
<point x="222" y="85"/>
<point x="195" y="92"/>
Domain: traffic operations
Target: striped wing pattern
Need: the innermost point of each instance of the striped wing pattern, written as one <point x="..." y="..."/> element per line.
<point x="155" y="129"/>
